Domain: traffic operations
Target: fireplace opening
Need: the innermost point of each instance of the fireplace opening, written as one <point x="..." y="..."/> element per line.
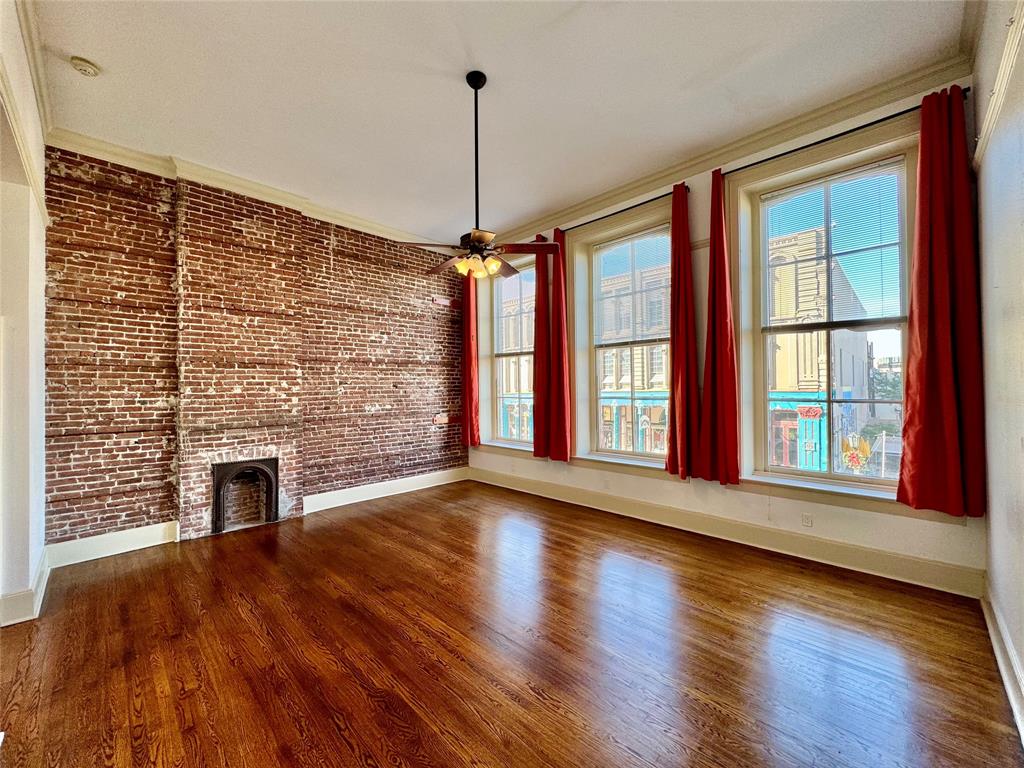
<point x="244" y="494"/>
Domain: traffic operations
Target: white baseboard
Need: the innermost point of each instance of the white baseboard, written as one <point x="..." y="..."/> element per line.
<point x="24" y="606"/>
<point x="113" y="543"/>
<point x="340" y="498"/>
<point x="1010" y="668"/>
<point x="948" y="577"/>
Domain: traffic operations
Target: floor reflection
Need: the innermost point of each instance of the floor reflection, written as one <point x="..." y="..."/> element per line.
<point x="637" y="662"/>
<point x="860" y="688"/>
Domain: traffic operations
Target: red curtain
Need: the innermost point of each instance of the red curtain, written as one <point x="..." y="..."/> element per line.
<point x="470" y="378"/>
<point x="683" y="400"/>
<point x="541" y="355"/>
<point x="717" y="455"/>
<point x="943" y="465"/>
<point x="559" y="418"/>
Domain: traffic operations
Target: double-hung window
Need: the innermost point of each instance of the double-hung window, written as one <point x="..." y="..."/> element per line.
<point x="833" y="318"/>
<point x="630" y="317"/>
<point x="514" y="300"/>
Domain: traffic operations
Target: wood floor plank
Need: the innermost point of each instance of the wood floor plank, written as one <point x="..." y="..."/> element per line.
<point x="468" y="625"/>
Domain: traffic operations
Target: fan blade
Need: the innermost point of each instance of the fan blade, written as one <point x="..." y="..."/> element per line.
<point x="551" y="248"/>
<point x="506" y="269"/>
<point x="432" y="245"/>
<point x="442" y="267"/>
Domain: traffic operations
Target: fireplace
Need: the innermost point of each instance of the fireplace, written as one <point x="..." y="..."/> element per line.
<point x="261" y="474"/>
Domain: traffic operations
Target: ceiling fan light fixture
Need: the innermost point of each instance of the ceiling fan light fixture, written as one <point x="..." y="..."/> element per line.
<point x="492" y="265"/>
<point x="477" y="268"/>
<point x="462" y="267"/>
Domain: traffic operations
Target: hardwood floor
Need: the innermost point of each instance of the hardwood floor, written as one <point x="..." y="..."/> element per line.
<point x="467" y="625"/>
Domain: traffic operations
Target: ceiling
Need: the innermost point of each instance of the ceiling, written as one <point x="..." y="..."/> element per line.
<point x="363" y="107"/>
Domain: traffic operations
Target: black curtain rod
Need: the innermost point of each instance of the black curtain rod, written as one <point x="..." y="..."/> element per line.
<point x="767" y="159"/>
<point x="834" y="136"/>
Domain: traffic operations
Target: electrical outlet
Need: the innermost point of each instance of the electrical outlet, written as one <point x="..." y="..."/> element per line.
<point x="807" y="520"/>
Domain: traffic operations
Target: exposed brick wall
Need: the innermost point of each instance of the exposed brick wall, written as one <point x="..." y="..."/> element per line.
<point x="111" y="338"/>
<point x="188" y="325"/>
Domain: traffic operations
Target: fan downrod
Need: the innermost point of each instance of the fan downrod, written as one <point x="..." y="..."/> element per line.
<point x="476" y="79"/>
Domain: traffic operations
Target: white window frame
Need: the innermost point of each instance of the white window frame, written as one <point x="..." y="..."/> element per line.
<point x="896" y="138"/>
<point x="487" y="368"/>
<point x="496" y="356"/>
<point x="580" y="245"/>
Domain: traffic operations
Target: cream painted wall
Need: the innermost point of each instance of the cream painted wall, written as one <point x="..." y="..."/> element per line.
<point x="1001" y="202"/>
<point x="940" y="539"/>
<point x="22" y="301"/>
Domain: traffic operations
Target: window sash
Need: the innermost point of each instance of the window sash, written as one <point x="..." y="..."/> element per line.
<point x="898" y="322"/>
<point x="632" y="295"/>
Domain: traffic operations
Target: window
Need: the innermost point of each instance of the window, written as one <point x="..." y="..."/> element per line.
<point x="513" y="358"/>
<point x="631" y="327"/>
<point x="833" y="317"/>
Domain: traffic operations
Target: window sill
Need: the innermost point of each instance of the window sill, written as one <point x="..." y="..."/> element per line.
<point x="824" y="486"/>
<point x="506" y="446"/>
<point x="868" y="498"/>
<point x="624" y="465"/>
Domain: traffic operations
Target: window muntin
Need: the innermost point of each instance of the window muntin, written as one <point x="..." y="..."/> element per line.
<point x="515" y="298"/>
<point x="833" y="324"/>
<point x="630" y="344"/>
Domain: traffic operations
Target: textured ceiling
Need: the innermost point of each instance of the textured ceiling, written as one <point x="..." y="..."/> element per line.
<point x="363" y="107"/>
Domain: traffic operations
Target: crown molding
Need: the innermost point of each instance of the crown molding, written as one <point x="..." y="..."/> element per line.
<point x="177" y="168"/>
<point x="970" y="26"/>
<point x="847" y="108"/>
<point x="10" y="107"/>
<point x="36" y="67"/>
<point x="1011" y="54"/>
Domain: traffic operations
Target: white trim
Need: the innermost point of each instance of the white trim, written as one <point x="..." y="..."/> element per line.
<point x="948" y="577"/>
<point x="1008" y="661"/>
<point x="36" y="66"/>
<point x="1011" y="53"/>
<point x="114" y="543"/>
<point x="330" y="499"/>
<point x="177" y="168"/>
<point x="25" y="605"/>
<point x="35" y="180"/>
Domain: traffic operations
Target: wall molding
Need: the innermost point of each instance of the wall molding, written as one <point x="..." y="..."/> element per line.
<point x="25" y="605"/>
<point x="10" y="107"/>
<point x="114" y="543"/>
<point x="1008" y="661"/>
<point x="330" y="499"/>
<point x="171" y="167"/>
<point x="1011" y="54"/>
<point x="36" y="65"/>
<point x="851" y="107"/>
<point x="948" y="577"/>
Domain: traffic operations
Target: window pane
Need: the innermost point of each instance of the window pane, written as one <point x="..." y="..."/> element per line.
<point x="867" y="439"/>
<point x="798" y="434"/>
<point x="508" y="418"/>
<point x="797" y="291"/>
<point x="867" y="365"/>
<point x="614" y="270"/>
<point x="796" y="224"/>
<point x="526" y="374"/>
<point x="651" y="425"/>
<point x="865" y="211"/>
<point x="613" y="371"/>
<point x="613" y="319"/>
<point x="650" y="375"/>
<point x="651" y="261"/>
<point x="797" y="366"/>
<point x="508" y="294"/>
<point x="652" y="313"/>
<point x="509" y="333"/>
<point x="528" y="283"/>
<point x="508" y="375"/>
<point x="615" y="424"/>
<point x="526" y="418"/>
<point x="527" y="326"/>
<point x="867" y="284"/>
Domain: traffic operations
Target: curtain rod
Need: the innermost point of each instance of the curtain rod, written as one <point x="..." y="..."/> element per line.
<point x="765" y="160"/>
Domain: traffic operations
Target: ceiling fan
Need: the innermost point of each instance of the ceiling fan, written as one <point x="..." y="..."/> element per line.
<point x="478" y="255"/>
